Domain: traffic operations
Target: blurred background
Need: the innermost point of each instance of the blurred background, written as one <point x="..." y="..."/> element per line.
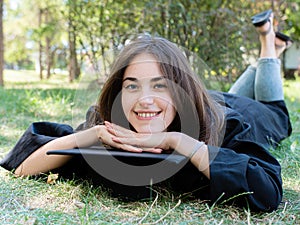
<point x="74" y="37"/>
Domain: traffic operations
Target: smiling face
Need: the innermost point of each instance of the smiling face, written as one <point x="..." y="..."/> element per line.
<point x="146" y="99"/>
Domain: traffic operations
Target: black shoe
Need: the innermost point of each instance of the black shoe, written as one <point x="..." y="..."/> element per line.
<point x="284" y="38"/>
<point x="261" y="18"/>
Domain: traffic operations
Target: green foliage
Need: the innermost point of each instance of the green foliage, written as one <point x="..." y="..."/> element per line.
<point x="291" y="13"/>
<point x="23" y="33"/>
<point x="218" y="32"/>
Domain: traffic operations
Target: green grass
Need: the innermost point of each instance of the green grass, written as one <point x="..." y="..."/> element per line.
<point x="28" y="201"/>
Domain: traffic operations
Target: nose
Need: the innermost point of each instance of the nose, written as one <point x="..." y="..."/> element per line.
<point x="146" y="98"/>
<point x="146" y="101"/>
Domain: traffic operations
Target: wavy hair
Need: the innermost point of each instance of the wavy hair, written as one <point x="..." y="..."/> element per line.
<point x="198" y="114"/>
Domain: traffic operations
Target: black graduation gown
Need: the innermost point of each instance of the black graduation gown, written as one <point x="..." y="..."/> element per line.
<point x="242" y="168"/>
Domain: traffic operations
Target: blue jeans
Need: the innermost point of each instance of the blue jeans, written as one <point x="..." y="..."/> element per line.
<point x="262" y="83"/>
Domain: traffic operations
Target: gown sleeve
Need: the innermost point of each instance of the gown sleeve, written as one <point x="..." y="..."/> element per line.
<point x="247" y="174"/>
<point x="34" y="137"/>
<point x="242" y="170"/>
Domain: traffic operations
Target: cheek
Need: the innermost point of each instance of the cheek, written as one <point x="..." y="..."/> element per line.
<point x="127" y="104"/>
<point x="170" y="114"/>
<point x="170" y="111"/>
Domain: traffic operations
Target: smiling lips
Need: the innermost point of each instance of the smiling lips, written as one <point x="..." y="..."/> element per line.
<point x="147" y="115"/>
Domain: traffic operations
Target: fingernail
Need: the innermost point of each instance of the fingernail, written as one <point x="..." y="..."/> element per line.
<point x="107" y="124"/>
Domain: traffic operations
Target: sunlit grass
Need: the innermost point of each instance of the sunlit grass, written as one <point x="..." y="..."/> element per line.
<point x="31" y="79"/>
<point x="292" y="89"/>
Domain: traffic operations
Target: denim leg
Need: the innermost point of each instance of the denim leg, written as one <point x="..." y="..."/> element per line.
<point x="268" y="82"/>
<point x="244" y="85"/>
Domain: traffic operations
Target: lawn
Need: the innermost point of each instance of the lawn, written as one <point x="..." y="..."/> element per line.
<point x="28" y="201"/>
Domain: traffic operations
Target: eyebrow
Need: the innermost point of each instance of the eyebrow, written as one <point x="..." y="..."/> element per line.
<point x="152" y="80"/>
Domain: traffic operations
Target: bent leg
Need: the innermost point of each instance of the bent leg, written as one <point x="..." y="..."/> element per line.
<point x="268" y="82"/>
<point x="244" y="85"/>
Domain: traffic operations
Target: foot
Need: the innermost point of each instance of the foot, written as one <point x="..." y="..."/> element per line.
<point x="281" y="46"/>
<point x="266" y="28"/>
<point x="267" y="39"/>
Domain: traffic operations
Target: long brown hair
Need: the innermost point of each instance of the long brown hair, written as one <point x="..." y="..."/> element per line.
<point x="198" y="114"/>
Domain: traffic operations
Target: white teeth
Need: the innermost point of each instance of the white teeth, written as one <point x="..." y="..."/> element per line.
<point x="147" y="115"/>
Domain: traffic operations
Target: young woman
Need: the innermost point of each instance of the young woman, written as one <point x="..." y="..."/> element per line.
<point x="152" y="102"/>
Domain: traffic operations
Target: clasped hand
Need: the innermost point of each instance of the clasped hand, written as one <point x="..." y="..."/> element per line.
<point x="128" y="140"/>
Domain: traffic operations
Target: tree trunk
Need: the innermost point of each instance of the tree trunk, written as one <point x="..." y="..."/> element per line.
<point x="73" y="63"/>
<point x="48" y="48"/>
<point x="1" y="45"/>
<point x="72" y="59"/>
<point x="40" y="48"/>
<point x="48" y="58"/>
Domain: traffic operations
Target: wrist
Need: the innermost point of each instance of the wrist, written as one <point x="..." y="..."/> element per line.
<point x="172" y="139"/>
<point x="97" y="130"/>
<point x="99" y="133"/>
<point x="198" y="146"/>
<point x="201" y="160"/>
<point x="88" y="137"/>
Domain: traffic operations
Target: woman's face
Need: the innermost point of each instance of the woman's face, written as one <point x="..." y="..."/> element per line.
<point x="146" y="99"/>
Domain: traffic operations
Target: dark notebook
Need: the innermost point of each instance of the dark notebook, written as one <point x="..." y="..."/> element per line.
<point x="99" y="151"/>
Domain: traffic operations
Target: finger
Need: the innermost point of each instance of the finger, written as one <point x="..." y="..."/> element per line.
<point x="118" y="133"/>
<point x="142" y="143"/>
<point x="131" y="148"/>
<point x="128" y="148"/>
<point x="111" y="131"/>
<point x="122" y="134"/>
<point x="124" y="140"/>
<point x="123" y="130"/>
<point x="110" y="128"/>
<point x="118" y="130"/>
<point x="153" y="150"/>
